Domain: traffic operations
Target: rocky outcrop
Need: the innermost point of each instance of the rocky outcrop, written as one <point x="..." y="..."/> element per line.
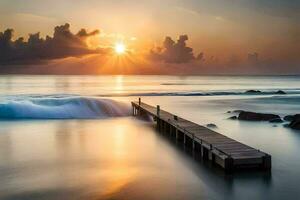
<point x="288" y="118"/>
<point x="211" y="125"/>
<point x="272" y="118"/>
<point x="295" y="123"/>
<point x="233" y="117"/>
<point x="280" y="92"/>
<point x="237" y="111"/>
<point x="252" y="116"/>
<point x="252" y="92"/>
<point x="276" y="120"/>
<point x="291" y="117"/>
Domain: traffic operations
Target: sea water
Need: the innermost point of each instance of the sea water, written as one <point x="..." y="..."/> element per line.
<point x="73" y="137"/>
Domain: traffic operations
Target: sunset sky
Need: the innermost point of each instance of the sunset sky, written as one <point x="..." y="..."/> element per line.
<point x="158" y="37"/>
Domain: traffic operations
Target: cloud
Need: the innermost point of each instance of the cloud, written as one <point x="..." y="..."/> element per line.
<point x="253" y="58"/>
<point x="174" y="52"/>
<point x="36" y="49"/>
<point x="200" y="57"/>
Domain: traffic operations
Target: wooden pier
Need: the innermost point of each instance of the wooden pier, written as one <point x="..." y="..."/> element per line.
<point x="208" y="144"/>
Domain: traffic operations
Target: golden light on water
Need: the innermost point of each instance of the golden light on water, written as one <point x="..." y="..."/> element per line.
<point x="119" y="84"/>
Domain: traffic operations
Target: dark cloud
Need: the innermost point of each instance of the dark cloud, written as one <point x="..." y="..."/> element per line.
<point x="174" y="52"/>
<point x="36" y="49"/>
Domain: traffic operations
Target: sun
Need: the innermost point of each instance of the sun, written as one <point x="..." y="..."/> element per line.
<point x="120" y="48"/>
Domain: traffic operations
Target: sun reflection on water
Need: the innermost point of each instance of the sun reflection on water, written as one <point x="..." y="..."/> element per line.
<point x="119" y="84"/>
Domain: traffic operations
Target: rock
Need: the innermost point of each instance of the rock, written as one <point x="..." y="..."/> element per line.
<point x="252" y="116"/>
<point x="274" y="125"/>
<point x="252" y="91"/>
<point x="211" y="125"/>
<point x="229" y="111"/>
<point x="233" y="117"/>
<point x="296" y="117"/>
<point x="237" y="111"/>
<point x="280" y="92"/>
<point x="288" y="118"/>
<point x="295" y="123"/>
<point x="276" y="120"/>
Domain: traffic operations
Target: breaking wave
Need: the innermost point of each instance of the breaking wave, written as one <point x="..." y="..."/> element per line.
<point x="72" y="107"/>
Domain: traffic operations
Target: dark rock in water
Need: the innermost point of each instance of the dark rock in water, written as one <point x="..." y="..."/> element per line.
<point x="211" y="125"/>
<point x="296" y="117"/>
<point x="229" y="111"/>
<point x="280" y="92"/>
<point x="288" y="118"/>
<point x="233" y="117"/>
<point x="252" y="91"/>
<point x="292" y="117"/>
<point x="252" y="116"/>
<point x="295" y="123"/>
<point x="274" y="125"/>
<point x="276" y="120"/>
<point x="237" y="111"/>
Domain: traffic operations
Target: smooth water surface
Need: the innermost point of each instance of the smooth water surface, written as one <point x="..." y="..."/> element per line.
<point x="72" y="137"/>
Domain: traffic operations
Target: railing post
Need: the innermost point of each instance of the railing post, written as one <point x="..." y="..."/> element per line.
<point x="157" y="110"/>
<point x="139" y="101"/>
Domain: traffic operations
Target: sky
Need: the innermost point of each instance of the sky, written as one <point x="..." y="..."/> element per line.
<point x="160" y="37"/>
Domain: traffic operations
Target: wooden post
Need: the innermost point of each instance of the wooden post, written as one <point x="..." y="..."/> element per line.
<point x="139" y="101"/>
<point x="193" y="144"/>
<point x="157" y="110"/>
<point x="228" y="164"/>
<point x="266" y="165"/>
<point x="204" y="153"/>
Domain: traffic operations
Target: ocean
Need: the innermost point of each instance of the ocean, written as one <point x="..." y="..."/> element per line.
<point x="73" y="137"/>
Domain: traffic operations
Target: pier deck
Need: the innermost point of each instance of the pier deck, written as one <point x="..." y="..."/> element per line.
<point x="210" y="145"/>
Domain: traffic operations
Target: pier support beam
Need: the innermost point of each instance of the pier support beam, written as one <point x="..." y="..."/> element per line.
<point x="204" y="153"/>
<point x="193" y="142"/>
<point x="266" y="165"/>
<point x="228" y="164"/>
